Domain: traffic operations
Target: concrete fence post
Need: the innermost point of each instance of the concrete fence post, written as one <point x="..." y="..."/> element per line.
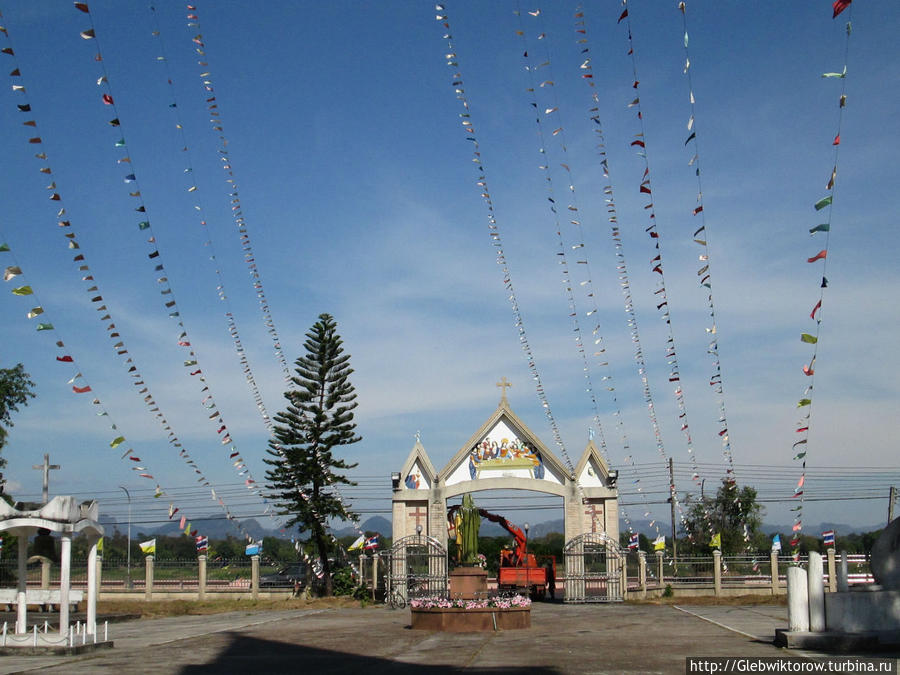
<point x="798" y="599"/>
<point x="717" y="572"/>
<point x="659" y="568"/>
<point x="254" y="576"/>
<point x="642" y="572"/>
<point x="843" y="576"/>
<point x="773" y="570"/>
<point x="201" y="576"/>
<point x="832" y="571"/>
<point x="148" y="583"/>
<point x="623" y="576"/>
<point x="45" y="573"/>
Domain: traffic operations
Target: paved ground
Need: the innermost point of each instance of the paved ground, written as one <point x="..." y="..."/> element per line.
<point x="563" y="639"/>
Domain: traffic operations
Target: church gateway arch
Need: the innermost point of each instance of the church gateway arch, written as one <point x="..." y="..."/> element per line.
<point x="504" y="454"/>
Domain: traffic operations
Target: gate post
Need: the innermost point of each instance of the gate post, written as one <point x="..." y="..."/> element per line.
<point x="148" y="577"/>
<point x="832" y="571"/>
<point x="201" y="577"/>
<point x="642" y="572"/>
<point x="717" y="572"/>
<point x="773" y="564"/>
<point x="254" y="576"/>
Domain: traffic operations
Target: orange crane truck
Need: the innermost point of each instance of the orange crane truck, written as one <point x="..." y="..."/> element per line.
<point x="520" y="572"/>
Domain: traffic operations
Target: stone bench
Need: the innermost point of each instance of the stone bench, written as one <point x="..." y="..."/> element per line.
<point x="39" y="596"/>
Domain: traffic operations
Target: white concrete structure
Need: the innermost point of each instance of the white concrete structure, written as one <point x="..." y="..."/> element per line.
<point x="65" y="516"/>
<point x="504" y="454"/>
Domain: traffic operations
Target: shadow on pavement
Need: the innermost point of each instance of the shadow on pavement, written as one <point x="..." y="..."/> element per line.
<point x="248" y="655"/>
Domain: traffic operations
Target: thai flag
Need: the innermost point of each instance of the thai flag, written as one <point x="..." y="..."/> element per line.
<point x="202" y="544"/>
<point x="828" y="536"/>
<point x="634" y="541"/>
<point x="371" y="542"/>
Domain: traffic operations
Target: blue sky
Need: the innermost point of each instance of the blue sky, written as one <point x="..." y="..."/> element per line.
<point x="358" y="189"/>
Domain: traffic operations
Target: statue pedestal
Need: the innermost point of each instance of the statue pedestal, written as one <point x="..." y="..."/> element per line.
<point x="468" y="583"/>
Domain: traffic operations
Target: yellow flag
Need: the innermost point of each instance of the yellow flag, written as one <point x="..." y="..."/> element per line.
<point x="100" y="546"/>
<point x="659" y="544"/>
<point x="148" y="546"/>
<point x="716" y="541"/>
<point x="458" y="521"/>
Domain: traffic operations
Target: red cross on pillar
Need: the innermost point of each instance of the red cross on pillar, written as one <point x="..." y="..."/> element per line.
<point x="418" y="513"/>
<point x="594" y="513"/>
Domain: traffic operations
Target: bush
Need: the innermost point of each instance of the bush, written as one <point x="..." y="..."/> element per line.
<point x="668" y="593"/>
<point x="344" y="583"/>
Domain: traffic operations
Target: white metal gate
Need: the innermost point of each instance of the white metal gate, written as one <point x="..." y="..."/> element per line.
<point x="595" y="569"/>
<point x="417" y="568"/>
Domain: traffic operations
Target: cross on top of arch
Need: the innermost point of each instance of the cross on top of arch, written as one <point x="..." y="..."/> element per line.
<point x="503" y="384"/>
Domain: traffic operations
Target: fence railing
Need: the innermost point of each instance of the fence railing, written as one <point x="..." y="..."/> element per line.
<point x="643" y="573"/>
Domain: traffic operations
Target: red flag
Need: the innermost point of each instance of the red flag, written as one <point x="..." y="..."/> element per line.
<point x="818" y="256"/>
<point x="64" y="359"/>
<point x="107" y="99"/>
<point x="698" y="209"/>
<point x="839" y="6"/>
<point x="837" y="140"/>
<point x="82" y="6"/>
<point x="625" y="13"/>
<point x="812" y="315"/>
<point x="81" y="390"/>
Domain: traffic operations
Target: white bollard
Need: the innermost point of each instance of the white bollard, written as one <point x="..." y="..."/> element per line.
<point x="71" y="635"/>
<point x="46" y="626"/>
<point x="106" y="631"/>
<point x="35" y="635"/>
<point x="816" y="590"/>
<point x="5" y="628"/>
<point x="798" y="599"/>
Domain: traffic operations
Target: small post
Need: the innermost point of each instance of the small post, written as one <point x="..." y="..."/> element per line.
<point x="106" y="631"/>
<point x="92" y="587"/>
<point x="148" y="583"/>
<point x="65" y="580"/>
<point x="816" y="592"/>
<point x="45" y="574"/>
<point x="21" y="611"/>
<point x="717" y="572"/>
<point x="201" y="576"/>
<point x="642" y="572"/>
<point x="254" y="576"/>
<point x="35" y="635"/>
<point x="773" y="570"/>
<point x="843" y="576"/>
<point x="659" y="568"/>
<point x="623" y="577"/>
<point x="832" y="575"/>
<point x="798" y="599"/>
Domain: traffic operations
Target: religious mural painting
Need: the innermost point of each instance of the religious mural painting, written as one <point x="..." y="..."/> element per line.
<point x="504" y="454"/>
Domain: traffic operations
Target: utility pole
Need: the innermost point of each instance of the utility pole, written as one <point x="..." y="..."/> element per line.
<point x="892" y="498"/>
<point x="672" y="508"/>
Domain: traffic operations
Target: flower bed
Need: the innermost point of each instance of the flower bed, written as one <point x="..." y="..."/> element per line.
<point x="466" y="616"/>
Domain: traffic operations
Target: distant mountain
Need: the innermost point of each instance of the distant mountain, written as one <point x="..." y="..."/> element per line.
<point x="377" y="524"/>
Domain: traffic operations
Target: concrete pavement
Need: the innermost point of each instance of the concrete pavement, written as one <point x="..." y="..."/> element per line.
<point x="616" y="638"/>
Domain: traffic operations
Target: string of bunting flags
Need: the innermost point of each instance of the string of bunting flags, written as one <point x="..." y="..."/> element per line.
<point x="800" y="446"/>
<point x="218" y="126"/>
<point x="549" y="111"/>
<point x="587" y="76"/>
<point x="198" y="206"/>
<point x="192" y="362"/>
<point x="704" y="276"/>
<point x="78" y="384"/>
<point x="493" y="228"/>
<point x="662" y="304"/>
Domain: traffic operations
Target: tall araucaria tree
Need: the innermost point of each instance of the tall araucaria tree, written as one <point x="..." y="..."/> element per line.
<point x="318" y="419"/>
